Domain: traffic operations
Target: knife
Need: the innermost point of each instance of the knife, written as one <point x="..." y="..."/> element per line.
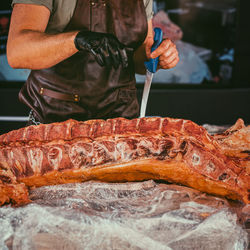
<point x="151" y="67"/>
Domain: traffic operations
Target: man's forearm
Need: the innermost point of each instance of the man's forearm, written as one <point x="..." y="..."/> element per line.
<point x="38" y="50"/>
<point x="29" y="46"/>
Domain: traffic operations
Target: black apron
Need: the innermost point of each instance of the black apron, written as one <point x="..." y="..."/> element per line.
<point x="78" y="87"/>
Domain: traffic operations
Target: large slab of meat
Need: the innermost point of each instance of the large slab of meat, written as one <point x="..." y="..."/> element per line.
<point x="118" y="150"/>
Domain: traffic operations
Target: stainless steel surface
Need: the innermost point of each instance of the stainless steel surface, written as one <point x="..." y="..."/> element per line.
<point x="147" y="85"/>
<point x="14" y="118"/>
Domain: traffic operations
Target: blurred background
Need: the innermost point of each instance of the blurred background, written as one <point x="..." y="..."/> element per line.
<point x="210" y="84"/>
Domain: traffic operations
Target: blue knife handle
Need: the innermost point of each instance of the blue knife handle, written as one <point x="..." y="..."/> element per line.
<point x="151" y="65"/>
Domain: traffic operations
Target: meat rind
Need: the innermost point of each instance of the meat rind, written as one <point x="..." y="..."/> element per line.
<point x="16" y="194"/>
<point x="235" y="143"/>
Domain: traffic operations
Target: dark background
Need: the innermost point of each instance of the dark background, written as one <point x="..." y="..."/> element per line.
<point x="220" y="104"/>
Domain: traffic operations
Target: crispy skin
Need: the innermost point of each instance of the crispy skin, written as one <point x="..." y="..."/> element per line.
<point x="119" y="150"/>
<point x="16" y="194"/>
<point x="235" y="143"/>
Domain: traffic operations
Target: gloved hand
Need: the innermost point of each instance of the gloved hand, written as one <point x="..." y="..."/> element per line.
<point x="106" y="48"/>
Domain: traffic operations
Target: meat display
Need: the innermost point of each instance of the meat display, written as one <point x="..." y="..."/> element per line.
<point x="120" y="150"/>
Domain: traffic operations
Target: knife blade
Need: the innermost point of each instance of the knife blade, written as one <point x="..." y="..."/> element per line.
<point x="151" y="67"/>
<point x="146" y="89"/>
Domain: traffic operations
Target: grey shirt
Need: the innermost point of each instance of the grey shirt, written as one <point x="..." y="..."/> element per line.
<point x="62" y="11"/>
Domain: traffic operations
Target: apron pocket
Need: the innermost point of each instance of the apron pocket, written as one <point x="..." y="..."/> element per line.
<point x="59" y="95"/>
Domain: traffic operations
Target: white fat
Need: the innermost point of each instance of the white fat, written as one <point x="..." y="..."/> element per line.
<point x="77" y="152"/>
<point x="35" y="158"/>
<point x="123" y="150"/>
<point x="210" y="167"/>
<point x="195" y="159"/>
<point x="68" y="130"/>
<point x="55" y="161"/>
<point x="24" y="133"/>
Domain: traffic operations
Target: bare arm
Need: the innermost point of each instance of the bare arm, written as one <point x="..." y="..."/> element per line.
<point x="167" y="53"/>
<point x="29" y="46"/>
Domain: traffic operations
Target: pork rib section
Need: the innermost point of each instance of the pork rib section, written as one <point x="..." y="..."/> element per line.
<point x="117" y="150"/>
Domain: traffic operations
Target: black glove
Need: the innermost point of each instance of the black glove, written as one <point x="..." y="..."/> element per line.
<point x="106" y="48"/>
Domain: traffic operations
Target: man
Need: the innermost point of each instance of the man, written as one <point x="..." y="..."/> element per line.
<point x="83" y="56"/>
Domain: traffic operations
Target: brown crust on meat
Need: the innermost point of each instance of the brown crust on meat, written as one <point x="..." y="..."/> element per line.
<point x="174" y="172"/>
<point x="16" y="194"/>
<point x="72" y="129"/>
